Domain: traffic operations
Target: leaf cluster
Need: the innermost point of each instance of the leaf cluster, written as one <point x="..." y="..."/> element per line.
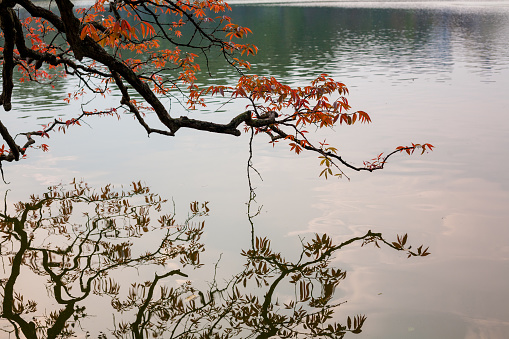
<point x="152" y="53"/>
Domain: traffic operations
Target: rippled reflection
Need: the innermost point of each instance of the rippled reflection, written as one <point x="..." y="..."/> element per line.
<point x="301" y="40"/>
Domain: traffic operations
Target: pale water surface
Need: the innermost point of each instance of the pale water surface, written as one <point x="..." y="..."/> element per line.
<point x="434" y="72"/>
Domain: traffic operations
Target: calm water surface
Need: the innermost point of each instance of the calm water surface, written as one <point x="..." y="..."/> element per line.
<point x="426" y="72"/>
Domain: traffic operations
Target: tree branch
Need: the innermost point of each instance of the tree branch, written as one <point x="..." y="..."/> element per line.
<point x="8" y="27"/>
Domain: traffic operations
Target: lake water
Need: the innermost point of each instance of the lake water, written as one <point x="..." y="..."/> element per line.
<point x="434" y="72"/>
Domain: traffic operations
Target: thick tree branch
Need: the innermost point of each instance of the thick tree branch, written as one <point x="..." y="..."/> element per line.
<point x="71" y="27"/>
<point x="8" y="27"/>
<point x="10" y="141"/>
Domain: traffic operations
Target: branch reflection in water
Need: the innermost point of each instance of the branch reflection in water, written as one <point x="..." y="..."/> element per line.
<point x="79" y="244"/>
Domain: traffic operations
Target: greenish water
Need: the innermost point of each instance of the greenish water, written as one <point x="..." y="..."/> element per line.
<point x="437" y="74"/>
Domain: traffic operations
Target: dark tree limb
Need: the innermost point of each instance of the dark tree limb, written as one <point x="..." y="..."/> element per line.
<point x="7" y="25"/>
<point x="71" y="27"/>
<point x="137" y="326"/>
<point x="10" y="141"/>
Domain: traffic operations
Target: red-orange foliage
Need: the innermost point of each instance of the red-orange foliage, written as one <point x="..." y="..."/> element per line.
<point x="153" y="49"/>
